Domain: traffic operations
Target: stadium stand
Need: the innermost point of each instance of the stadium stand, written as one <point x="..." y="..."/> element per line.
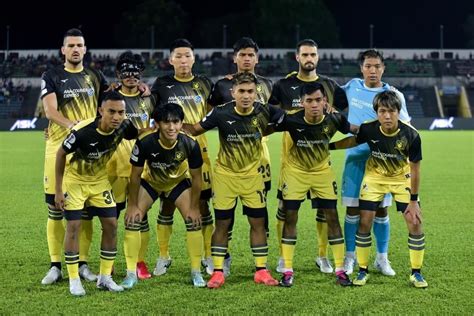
<point x="416" y="76"/>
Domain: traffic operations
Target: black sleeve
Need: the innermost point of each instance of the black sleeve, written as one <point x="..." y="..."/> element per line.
<point x="343" y="124"/>
<point x="195" y="158"/>
<point x="155" y="91"/>
<point x="47" y="84"/>
<point x="277" y="115"/>
<point x="210" y="120"/>
<point x="340" y="99"/>
<point x="215" y="98"/>
<point x="70" y="144"/>
<point x="281" y="125"/>
<point x="362" y="136"/>
<point x="137" y="157"/>
<point x="103" y="85"/>
<point x="414" y="152"/>
<point x="131" y="131"/>
<point x="275" y="97"/>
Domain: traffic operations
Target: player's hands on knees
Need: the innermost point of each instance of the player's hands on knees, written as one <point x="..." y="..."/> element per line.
<point x="194" y="216"/>
<point x="59" y="200"/>
<point x="133" y="215"/>
<point x="413" y="213"/>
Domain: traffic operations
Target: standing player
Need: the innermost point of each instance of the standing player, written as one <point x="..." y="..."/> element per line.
<point x="393" y="167"/>
<point x="308" y="169"/>
<point x="360" y="95"/>
<point x="286" y="94"/>
<point x="92" y="143"/>
<point x="70" y="94"/>
<point x="246" y="58"/>
<point x="163" y="163"/>
<point x="241" y="124"/>
<point x="139" y="109"/>
<point x="191" y="93"/>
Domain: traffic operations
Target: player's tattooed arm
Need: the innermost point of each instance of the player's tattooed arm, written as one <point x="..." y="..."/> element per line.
<point x="59" y="170"/>
<point x="51" y="111"/>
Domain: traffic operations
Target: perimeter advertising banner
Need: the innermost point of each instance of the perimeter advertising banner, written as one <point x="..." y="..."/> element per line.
<point x="427" y="123"/>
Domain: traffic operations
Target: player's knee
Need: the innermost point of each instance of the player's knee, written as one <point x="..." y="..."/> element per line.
<point x="352" y="211"/>
<point x="381" y="212"/>
<point x="72" y="228"/>
<point x="291" y="218"/>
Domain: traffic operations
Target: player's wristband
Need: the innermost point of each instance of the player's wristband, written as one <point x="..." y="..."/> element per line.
<point x="332" y="146"/>
<point x="413" y="197"/>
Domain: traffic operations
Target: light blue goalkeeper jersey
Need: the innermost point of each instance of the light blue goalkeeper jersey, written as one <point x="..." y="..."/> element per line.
<point x="360" y="98"/>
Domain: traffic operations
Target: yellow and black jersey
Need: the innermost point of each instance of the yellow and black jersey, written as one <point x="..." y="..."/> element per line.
<point x="221" y="92"/>
<point x="166" y="166"/>
<point x="192" y="95"/>
<point x="139" y="111"/>
<point x="308" y="147"/>
<point x="286" y="92"/>
<point x="92" y="148"/>
<point x="390" y="153"/>
<point x="240" y="136"/>
<point x="77" y="94"/>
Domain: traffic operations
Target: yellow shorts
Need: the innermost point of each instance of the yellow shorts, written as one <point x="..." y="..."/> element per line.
<point x="373" y="190"/>
<point x="295" y="184"/>
<point x="226" y="189"/>
<point x="119" y="188"/>
<point x="95" y="195"/>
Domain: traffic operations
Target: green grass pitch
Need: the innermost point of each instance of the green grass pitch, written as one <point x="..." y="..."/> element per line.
<point x="447" y="202"/>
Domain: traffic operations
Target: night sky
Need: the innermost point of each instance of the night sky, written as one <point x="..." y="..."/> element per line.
<point x="397" y="24"/>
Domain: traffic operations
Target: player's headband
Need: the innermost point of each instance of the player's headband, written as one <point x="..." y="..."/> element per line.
<point x="130" y="70"/>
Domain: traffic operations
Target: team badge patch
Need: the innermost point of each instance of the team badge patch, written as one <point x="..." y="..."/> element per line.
<point x="179" y="156"/>
<point x="254" y="122"/>
<point x="196" y="85"/>
<point x="401" y="144"/>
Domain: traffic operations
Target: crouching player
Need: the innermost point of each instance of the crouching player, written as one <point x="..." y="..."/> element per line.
<point x="91" y="143"/>
<point x="393" y="167"/>
<point x="307" y="168"/>
<point x="171" y="165"/>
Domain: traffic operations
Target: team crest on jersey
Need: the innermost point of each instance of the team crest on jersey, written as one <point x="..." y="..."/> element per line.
<point x="179" y="156"/>
<point x="401" y="144"/>
<point x="259" y="88"/>
<point x="142" y="105"/>
<point x="254" y="122"/>
<point x="196" y="85"/>
<point x="87" y="78"/>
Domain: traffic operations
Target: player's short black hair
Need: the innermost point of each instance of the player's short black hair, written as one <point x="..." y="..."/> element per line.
<point x="112" y="95"/>
<point x="181" y="42"/>
<point x="388" y="99"/>
<point x="245" y="42"/>
<point x="244" y="77"/>
<point x="73" y="32"/>
<point x="370" y="53"/>
<point x="305" y="42"/>
<point x="309" y="88"/>
<point x="168" y="112"/>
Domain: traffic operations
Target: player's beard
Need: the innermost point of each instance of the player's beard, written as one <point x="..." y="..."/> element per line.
<point x="308" y="67"/>
<point x="74" y="62"/>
